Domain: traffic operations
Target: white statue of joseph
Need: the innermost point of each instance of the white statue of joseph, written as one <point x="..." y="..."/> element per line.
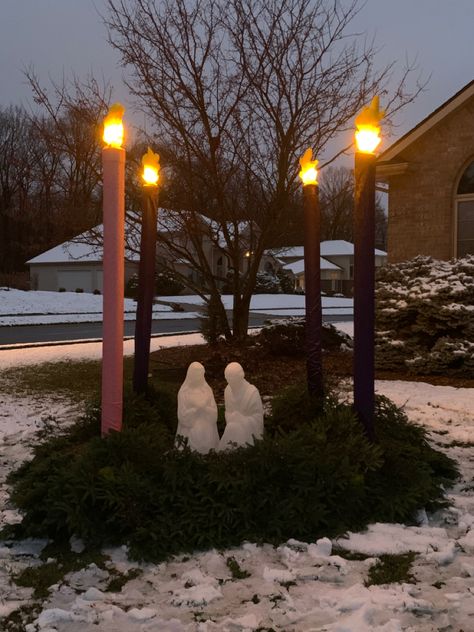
<point x="243" y="409"/>
<point x="197" y="411"/>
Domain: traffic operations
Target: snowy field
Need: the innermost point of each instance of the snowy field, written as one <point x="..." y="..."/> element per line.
<point x="266" y="302"/>
<point x="37" y="308"/>
<point x="297" y="587"/>
<point x="45" y="308"/>
<point x="40" y="308"/>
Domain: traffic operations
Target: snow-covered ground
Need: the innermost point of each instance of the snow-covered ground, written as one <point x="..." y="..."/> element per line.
<point x="265" y="302"/>
<point x="45" y="308"/>
<point x="296" y="587"/>
<point x="40" y="308"/>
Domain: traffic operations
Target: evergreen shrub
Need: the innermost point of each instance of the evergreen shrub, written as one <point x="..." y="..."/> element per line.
<point x="267" y="283"/>
<point x="287" y="283"/>
<point x="321" y="477"/>
<point x="212" y="322"/>
<point x="165" y="285"/>
<point x="286" y="336"/>
<point x="424" y="316"/>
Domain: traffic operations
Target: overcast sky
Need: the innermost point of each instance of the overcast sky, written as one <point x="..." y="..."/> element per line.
<point x="63" y="36"/>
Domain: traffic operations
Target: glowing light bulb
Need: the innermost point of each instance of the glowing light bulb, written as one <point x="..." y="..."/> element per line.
<point x="368" y="127"/>
<point x="151" y="168"/>
<point x="308" y="173"/>
<point x="113" y="126"/>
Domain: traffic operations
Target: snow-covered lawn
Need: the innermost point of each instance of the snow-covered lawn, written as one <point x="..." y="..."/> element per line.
<point x="265" y="302"/>
<point x="38" y="308"/>
<point x="296" y="587"/>
<point x="41" y="308"/>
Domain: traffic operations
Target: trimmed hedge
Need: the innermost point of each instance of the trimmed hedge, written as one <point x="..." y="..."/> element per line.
<point x="318" y="477"/>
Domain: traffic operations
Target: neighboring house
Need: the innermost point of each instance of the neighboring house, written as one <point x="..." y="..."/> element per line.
<point x="430" y="177"/>
<point x="337" y="264"/>
<point x="73" y="266"/>
<point x="77" y="264"/>
<point x="331" y="275"/>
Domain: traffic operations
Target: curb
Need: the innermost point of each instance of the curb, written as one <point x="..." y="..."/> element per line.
<point x="83" y="341"/>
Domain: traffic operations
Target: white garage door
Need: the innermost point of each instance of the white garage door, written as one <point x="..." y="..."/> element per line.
<point x="72" y="280"/>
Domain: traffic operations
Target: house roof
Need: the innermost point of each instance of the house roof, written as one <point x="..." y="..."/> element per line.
<point x="446" y="108"/>
<point x="87" y="247"/>
<point x="297" y="267"/>
<point x="71" y="251"/>
<point x="329" y="248"/>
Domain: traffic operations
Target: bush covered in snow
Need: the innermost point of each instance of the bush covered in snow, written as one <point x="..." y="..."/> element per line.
<point x="313" y="474"/>
<point x="267" y="283"/>
<point x="286" y="336"/>
<point x="425" y="316"/>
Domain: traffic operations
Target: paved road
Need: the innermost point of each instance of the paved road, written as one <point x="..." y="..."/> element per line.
<point x="77" y="331"/>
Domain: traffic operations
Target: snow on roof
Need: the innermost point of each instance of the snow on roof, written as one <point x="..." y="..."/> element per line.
<point x="297" y="267"/>
<point x="81" y="249"/>
<point x="329" y="248"/>
<point x="243" y="228"/>
<point x="70" y="251"/>
<point x="87" y="247"/>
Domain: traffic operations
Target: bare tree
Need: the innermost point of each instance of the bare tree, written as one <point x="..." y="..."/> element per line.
<point x="337" y="206"/>
<point x="17" y="187"/>
<point x="237" y="90"/>
<point x="337" y="203"/>
<point x="67" y="125"/>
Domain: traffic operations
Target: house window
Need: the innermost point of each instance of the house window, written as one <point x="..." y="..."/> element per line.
<point x="465" y="213"/>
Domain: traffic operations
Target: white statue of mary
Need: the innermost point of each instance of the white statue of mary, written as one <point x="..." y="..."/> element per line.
<point x="197" y="411"/>
<point x="243" y="409"/>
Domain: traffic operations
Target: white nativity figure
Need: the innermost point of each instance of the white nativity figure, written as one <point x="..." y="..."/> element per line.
<point x="243" y="409"/>
<point x="197" y="411"/>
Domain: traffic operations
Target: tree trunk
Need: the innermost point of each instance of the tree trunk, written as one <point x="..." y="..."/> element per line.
<point x="240" y="317"/>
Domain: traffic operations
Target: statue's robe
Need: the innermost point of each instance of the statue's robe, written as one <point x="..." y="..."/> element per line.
<point x="244" y="416"/>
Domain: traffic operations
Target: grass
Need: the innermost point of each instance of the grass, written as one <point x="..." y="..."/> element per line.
<point x="16" y="620"/>
<point x="119" y="579"/>
<point x="74" y="380"/>
<point x="349" y="555"/>
<point x="77" y="380"/>
<point x="235" y="569"/>
<point x="391" y="569"/>
<point x="48" y="573"/>
<point x="41" y="577"/>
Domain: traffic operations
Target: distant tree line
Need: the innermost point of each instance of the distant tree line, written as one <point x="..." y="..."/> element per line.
<point x="49" y="170"/>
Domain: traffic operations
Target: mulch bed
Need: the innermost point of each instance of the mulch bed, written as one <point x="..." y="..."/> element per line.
<point x="269" y="373"/>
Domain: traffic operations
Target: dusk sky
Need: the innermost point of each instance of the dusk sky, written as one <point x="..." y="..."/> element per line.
<point x="63" y="36"/>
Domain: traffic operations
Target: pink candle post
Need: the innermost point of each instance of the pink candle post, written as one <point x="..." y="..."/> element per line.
<point x="113" y="164"/>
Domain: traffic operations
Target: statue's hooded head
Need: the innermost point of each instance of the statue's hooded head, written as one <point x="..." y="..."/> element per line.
<point x="234" y="374"/>
<point x="195" y="374"/>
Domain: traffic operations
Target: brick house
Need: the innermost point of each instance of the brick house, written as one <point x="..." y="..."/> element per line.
<point x="430" y="177"/>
